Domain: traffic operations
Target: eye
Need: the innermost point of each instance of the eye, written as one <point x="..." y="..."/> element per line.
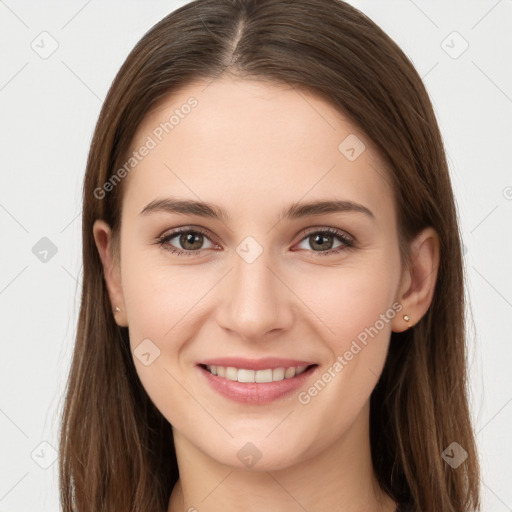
<point x="190" y="240"/>
<point x="324" y="241"/>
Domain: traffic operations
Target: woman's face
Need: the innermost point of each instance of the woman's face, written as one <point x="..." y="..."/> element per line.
<point x="257" y="288"/>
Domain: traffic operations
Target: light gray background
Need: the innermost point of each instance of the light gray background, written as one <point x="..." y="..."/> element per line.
<point x="48" y="109"/>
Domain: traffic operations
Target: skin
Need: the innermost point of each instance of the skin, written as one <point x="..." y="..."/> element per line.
<point x="254" y="148"/>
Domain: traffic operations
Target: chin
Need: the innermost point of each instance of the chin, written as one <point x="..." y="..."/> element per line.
<point x="256" y="454"/>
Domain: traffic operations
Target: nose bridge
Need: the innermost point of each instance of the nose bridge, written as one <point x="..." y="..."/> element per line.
<point x="255" y="301"/>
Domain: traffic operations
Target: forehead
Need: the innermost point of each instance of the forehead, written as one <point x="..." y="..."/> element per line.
<point x="254" y="144"/>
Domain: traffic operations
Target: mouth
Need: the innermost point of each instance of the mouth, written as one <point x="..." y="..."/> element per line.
<point x="263" y="383"/>
<point x="260" y="376"/>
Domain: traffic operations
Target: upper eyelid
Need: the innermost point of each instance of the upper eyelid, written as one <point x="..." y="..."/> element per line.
<point x="326" y="229"/>
<point x="178" y="231"/>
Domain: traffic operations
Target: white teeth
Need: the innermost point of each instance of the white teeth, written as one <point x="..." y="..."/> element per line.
<point x="268" y="375"/>
<point x="278" y="374"/>
<point x="231" y="373"/>
<point x="289" y="373"/>
<point x="263" y="376"/>
<point x="245" y="376"/>
<point x="300" y="369"/>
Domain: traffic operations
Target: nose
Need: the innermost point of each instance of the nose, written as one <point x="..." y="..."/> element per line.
<point x="255" y="302"/>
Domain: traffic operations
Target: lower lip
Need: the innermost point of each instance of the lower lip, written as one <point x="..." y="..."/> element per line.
<point x="256" y="393"/>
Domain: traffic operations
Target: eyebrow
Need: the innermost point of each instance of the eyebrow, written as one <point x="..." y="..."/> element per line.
<point x="294" y="211"/>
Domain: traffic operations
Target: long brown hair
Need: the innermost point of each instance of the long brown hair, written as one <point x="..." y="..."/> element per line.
<point x="116" y="448"/>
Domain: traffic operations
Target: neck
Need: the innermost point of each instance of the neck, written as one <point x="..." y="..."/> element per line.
<point x="339" y="478"/>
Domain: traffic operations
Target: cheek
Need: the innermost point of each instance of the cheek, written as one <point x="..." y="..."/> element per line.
<point x="164" y="304"/>
<point x="358" y="307"/>
<point x="159" y="297"/>
<point x="159" y="312"/>
<point x="349" y="301"/>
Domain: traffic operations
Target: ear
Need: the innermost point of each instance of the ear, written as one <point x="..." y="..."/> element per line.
<point x="419" y="280"/>
<point x="111" y="270"/>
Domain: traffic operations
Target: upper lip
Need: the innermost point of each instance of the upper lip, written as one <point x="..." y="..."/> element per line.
<point x="255" y="364"/>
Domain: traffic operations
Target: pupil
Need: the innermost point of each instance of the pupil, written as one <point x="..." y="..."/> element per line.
<point x="321" y="245"/>
<point x="188" y="238"/>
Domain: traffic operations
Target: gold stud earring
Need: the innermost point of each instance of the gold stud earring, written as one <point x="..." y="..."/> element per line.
<point x="406" y="318"/>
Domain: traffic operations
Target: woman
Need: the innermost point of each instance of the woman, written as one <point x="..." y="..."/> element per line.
<point x="273" y="291"/>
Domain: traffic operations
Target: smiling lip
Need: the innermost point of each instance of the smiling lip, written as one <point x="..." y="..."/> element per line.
<point x="255" y="392"/>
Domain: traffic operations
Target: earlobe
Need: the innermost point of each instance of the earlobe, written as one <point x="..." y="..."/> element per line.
<point x="419" y="280"/>
<point x="111" y="271"/>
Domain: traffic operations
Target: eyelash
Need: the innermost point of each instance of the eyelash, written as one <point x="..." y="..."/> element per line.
<point x="348" y="243"/>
